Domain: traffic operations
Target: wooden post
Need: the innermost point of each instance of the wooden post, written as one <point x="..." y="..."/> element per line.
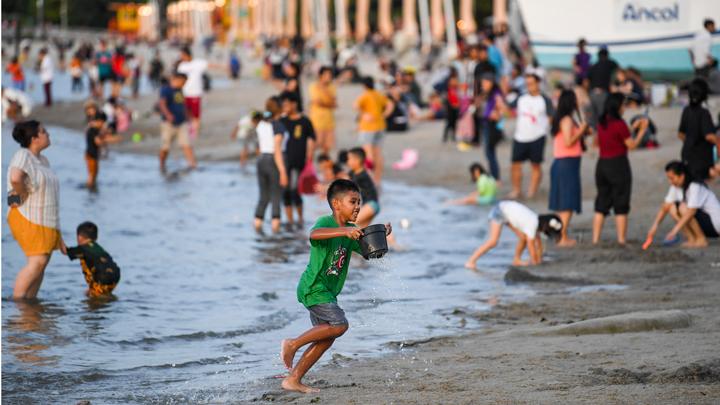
<point x="450" y="27"/>
<point x="341" y="23"/>
<point x="468" y="25"/>
<point x="385" y="25"/>
<point x="410" y="26"/>
<point x="426" y="36"/>
<point x="290" y="18"/>
<point x="437" y="20"/>
<point x="307" y="29"/>
<point x="362" y="26"/>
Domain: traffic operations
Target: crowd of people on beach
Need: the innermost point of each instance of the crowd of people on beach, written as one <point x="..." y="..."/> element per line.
<point x="293" y="142"/>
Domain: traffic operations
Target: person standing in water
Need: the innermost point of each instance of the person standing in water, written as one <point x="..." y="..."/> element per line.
<point x="34" y="192"/>
<point x="47" y="70"/>
<point x="299" y="151"/>
<point x="271" y="172"/>
<point x="174" y="114"/>
<point x="194" y="69"/>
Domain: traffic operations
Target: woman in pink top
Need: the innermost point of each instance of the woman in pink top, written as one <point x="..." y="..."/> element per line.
<point x="565" y="186"/>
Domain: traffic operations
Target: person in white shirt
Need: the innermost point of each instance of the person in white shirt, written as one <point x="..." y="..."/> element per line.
<point x="701" y="52"/>
<point x="693" y="206"/>
<point x="46" y="74"/>
<point x="194" y="69"/>
<point x="533" y="122"/>
<point x="526" y="224"/>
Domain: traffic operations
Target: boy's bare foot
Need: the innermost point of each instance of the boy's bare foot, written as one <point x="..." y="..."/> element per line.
<point x="471" y="266"/>
<point x="566" y="243"/>
<point x="520" y="263"/>
<point x="287" y="354"/>
<point x="513" y="195"/>
<point x="291" y="384"/>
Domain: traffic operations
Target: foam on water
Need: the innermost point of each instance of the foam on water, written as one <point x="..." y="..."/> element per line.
<point x="204" y="301"/>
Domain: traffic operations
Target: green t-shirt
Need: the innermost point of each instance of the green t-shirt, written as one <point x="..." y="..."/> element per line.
<point x="325" y="274"/>
<point x="486" y="188"/>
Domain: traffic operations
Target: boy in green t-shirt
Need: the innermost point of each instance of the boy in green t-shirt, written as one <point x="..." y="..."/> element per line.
<point x="332" y="241"/>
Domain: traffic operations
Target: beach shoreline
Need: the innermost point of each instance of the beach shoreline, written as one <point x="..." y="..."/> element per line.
<point x="520" y="357"/>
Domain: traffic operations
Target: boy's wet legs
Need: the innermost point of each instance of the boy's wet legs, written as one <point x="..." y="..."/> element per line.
<point x="321" y="338"/>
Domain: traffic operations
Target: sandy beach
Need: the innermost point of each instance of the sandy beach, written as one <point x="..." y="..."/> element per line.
<point x="661" y="347"/>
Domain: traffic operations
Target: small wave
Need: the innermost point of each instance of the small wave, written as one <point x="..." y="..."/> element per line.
<point x="277" y="320"/>
<point x="192" y="363"/>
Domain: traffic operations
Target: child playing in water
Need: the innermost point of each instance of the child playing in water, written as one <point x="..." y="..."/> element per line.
<point x="101" y="272"/>
<point x="93" y="143"/>
<point x="526" y="224"/>
<point x="245" y="132"/>
<point x="333" y="238"/>
<point x="358" y="174"/>
<point x="486" y="188"/>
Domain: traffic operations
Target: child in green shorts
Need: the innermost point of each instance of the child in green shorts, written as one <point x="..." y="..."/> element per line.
<point x="333" y="238"/>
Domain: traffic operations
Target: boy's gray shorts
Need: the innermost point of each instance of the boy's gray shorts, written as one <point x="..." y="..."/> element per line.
<point x="329" y="313"/>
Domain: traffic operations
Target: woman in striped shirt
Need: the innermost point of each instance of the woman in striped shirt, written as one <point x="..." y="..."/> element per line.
<point x="33" y="199"/>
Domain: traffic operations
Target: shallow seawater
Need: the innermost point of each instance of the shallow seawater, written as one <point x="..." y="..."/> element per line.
<point x="62" y="87"/>
<point x="204" y="301"/>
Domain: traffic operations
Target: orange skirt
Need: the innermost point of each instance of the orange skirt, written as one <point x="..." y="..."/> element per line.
<point x="92" y="166"/>
<point x="34" y="239"/>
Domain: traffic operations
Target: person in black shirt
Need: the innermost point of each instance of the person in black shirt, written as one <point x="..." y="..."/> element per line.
<point x="697" y="133"/>
<point x="600" y="76"/>
<point x="370" y="202"/>
<point x="93" y="142"/>
<point x="292" y="82"/>
<point x="483" y="67"/>
<point x="101" y="273"/>
<point x="299" y="149"/>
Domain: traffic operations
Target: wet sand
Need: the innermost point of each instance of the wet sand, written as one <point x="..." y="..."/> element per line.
<point x="524" y="355"/>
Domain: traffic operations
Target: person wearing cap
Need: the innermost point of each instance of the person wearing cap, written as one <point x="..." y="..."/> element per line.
<point x="600" y="76"/>
<point x="701" y="52"/>
<point x="414" y="92"/>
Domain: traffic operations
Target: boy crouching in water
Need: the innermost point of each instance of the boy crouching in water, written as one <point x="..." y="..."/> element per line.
<point x="526" y="224"/>
<point x="101" y="272"/>
<point x="333" y="238"/>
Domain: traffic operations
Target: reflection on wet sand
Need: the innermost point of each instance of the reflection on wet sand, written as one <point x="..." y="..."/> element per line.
<point x="30" y="333"/>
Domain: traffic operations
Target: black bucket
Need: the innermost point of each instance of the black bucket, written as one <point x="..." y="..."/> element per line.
<point x="373" y="243"/>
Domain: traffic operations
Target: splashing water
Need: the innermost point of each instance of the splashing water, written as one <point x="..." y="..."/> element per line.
<point x="204" y="301"/>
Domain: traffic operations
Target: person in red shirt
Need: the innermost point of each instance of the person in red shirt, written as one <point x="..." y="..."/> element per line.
<point x="613" y="176"/>
<point x="452" y="103"/>
<point x="119" y="71"/>
<point x="16" y="71"/>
